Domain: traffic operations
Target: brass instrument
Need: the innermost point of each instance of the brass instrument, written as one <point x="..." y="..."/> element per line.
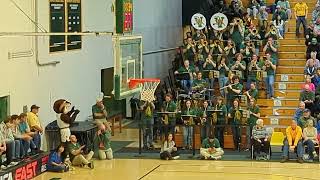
<point x="237" y="115"/>
<point x="215" y="116"/>
<point x="165" y="119"/>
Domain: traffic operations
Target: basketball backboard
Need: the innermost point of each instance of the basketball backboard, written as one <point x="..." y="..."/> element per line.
<point x="127" y="64"/>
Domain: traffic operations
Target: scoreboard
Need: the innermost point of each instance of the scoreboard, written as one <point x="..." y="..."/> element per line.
<point x="124" y="16"/>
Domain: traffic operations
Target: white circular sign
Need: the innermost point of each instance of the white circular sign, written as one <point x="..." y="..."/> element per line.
<point x="198" y="21"/>
<point x="219" y="21"/>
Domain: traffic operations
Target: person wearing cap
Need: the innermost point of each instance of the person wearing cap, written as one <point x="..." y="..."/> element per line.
<point x="301" y="13"/>
<point x="306" y="116"/>
<point x="35" y="125"/>
<point x="307" y="96"/>
<point x="310" y="139"/>
<point x="99" y="111"/>
<point x="210" y="148"/>
<point x="285" y="5"/>
<point x="293" y="141"/>
<point x="313" y="47"/>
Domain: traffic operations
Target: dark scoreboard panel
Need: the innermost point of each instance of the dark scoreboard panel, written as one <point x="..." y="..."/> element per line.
<point x="57" y="24"/>
<point x="74" y="23"/>
<point x="124" y="16"/>
<point x="65" y="16"/>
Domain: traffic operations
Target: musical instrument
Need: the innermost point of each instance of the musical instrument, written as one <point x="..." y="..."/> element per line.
<point x="188" y="119"/>
<point x="165" y="116"/>
<point x="224" y="87"/>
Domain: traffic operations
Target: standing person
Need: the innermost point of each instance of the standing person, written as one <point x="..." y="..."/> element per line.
<point x="301" y="13"/>
<point x="254" y="114"/>
<point x="77" y="157"/>
<point x="102" y="141"/>
<point x="235" y="116"/>
<point x="99" y="111"/>
<point x="187" y="128"/>
<point x="55" y="162"/>
<point x="261" y="141"/>
<point x="221" y="120"/>
<point x="234" y="90"/>
<point x="35" y="125"/>
<point x="210" y="148"/>
<point x="252" y="93"/>
<point x="270" y="68"/>
<point x="169" y="106"/>
<point x="292" y="141"/>
<point x="223" y="69"/>
<point x="253" y="68"/>
<point x="168" y="149"/>
<point x="310" y="139"/>
<point x="205" y="120"/>
<point x="147" y="109"/>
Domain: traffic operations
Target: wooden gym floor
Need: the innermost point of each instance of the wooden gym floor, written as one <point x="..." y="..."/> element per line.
<point x="123" y="169"/>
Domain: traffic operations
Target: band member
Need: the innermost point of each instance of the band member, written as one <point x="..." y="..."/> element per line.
<point x="221" y="120"/>
<point x="230" y="50"/>
<point x="205" y="120"/>
<point x="247" y="49"/>
<point x="170" y="119"/>
<point x="239" y="66"/>
<point x="255" y="38"/>
<point x="271" y="48"/>
<point x="235" y="116"/>
<point x="253" y="116"/>
<point x="252" y="93"/>
<point x="147" y="109"/>
<point x="202" y="52"/>
<point x="237" y="32"/>
<point x="253" y="71"/>
<point x="223" y="69"/>
<point x="216" y="50"/>
<point x="234" y="90"/>
<point x="187" y="128"/>
<point x="186" y="68"/>
<point x="189" y="50"/>
<point x="199" y="83"/>
<point x="270" y="68"/>
<point x="211" y="149"/>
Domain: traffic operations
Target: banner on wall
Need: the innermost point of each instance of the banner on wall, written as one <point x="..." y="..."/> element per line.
<point x="219" y="21"/>
<point x="198" y="21"/>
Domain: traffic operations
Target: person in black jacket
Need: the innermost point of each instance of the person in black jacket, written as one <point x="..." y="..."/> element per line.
<point x="313" y="47"/>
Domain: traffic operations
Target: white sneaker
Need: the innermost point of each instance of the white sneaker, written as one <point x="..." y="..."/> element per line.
<point x="176" y="157"/>
<point x="217" y="158"/>
<point x="3" y="167"/>
<point x="13" y="163"/>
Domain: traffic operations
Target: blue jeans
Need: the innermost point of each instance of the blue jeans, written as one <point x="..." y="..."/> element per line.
<point x="13" y="150"/>
<point x="301" y="19"/>
<point x="37" y="140"/>
<point x="187" y="135"/>
<point x="270" y="82"/>
<point x="286" y="148"/>
<point x="25" y="145"/>
<point x="148" y="133"/>
<point x="186" y="85"/>
<point x="53" y="168"/>
<point x="310" y="147"/>
<point x="222" y="83"/>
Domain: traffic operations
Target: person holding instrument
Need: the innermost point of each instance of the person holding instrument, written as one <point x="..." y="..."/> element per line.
<point x="147" y="109"/>
<point x="230" y="50"/>
<point x="205" y="120"/>
<point x="216" y="50"/>
<point x="237" y="32"/>
<point x="234" y="90"/>
<point x="199" y="84"/>
<point x="270" y="68"/>
<point x="253" y="115"/>
<point x="235" y="115"/>
<point x="252" y="93"/>
<point x="255" y="38"/>
<point x="253" y="71"/>
<point x="169" y="120"/>
<point x="189" y="50"/>
<point x="221" y="114"/>
<point x="239" y="66"/>
<point x="271" y="48"/>
<point x="188" y="121"/>
<point x="202" y="52"/>
<point x="247" y="49"/>
<point x="186" y="68"/>
<point x="223" y="69"/>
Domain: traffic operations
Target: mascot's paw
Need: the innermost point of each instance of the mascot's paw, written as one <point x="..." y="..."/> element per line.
<point x="72" y="109"/>
<point x="76" y="111"/>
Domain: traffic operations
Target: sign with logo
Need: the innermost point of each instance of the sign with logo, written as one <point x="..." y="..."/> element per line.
<point x="219" y="21"/>
<point x="198" y="21"/>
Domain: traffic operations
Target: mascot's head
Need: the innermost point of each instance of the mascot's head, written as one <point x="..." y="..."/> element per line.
<point x="61" y="106"/>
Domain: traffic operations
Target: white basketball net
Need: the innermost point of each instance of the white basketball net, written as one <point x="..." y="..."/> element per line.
<point x="148" y="90"/>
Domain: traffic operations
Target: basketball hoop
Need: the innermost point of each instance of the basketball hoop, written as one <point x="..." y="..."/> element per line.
<point x="148" y="85"/>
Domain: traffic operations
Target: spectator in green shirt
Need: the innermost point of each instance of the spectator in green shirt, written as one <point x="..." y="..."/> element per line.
<point x="254" y="114"/>
<point x="77" y="157"/>
<point x="308" y="97"/>
<point x="187" y="129"/>
<point x="210" y="148"/>
<point x="102" y="142"/>
<point x="99" y="111"/>
<point x="147" y="122"/>
<point x="253" y="68"/>
<point x="252" y="93"/>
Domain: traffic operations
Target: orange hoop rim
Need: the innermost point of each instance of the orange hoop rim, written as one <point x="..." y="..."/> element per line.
<point x="134" y="82"/>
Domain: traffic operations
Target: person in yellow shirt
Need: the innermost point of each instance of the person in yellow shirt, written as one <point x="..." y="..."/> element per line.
<point x="301" y="13"/>
<point x="35" y="125"/>
<point x="293" y="141"/>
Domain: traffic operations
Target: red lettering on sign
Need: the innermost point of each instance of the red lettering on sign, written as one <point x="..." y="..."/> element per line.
<point x="26" y="172"/>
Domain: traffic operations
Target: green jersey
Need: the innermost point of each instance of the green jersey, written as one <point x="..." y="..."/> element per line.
<point x="207" y="144"/>
<point x="253" y="119"/>
<point x="102" y="141"/>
